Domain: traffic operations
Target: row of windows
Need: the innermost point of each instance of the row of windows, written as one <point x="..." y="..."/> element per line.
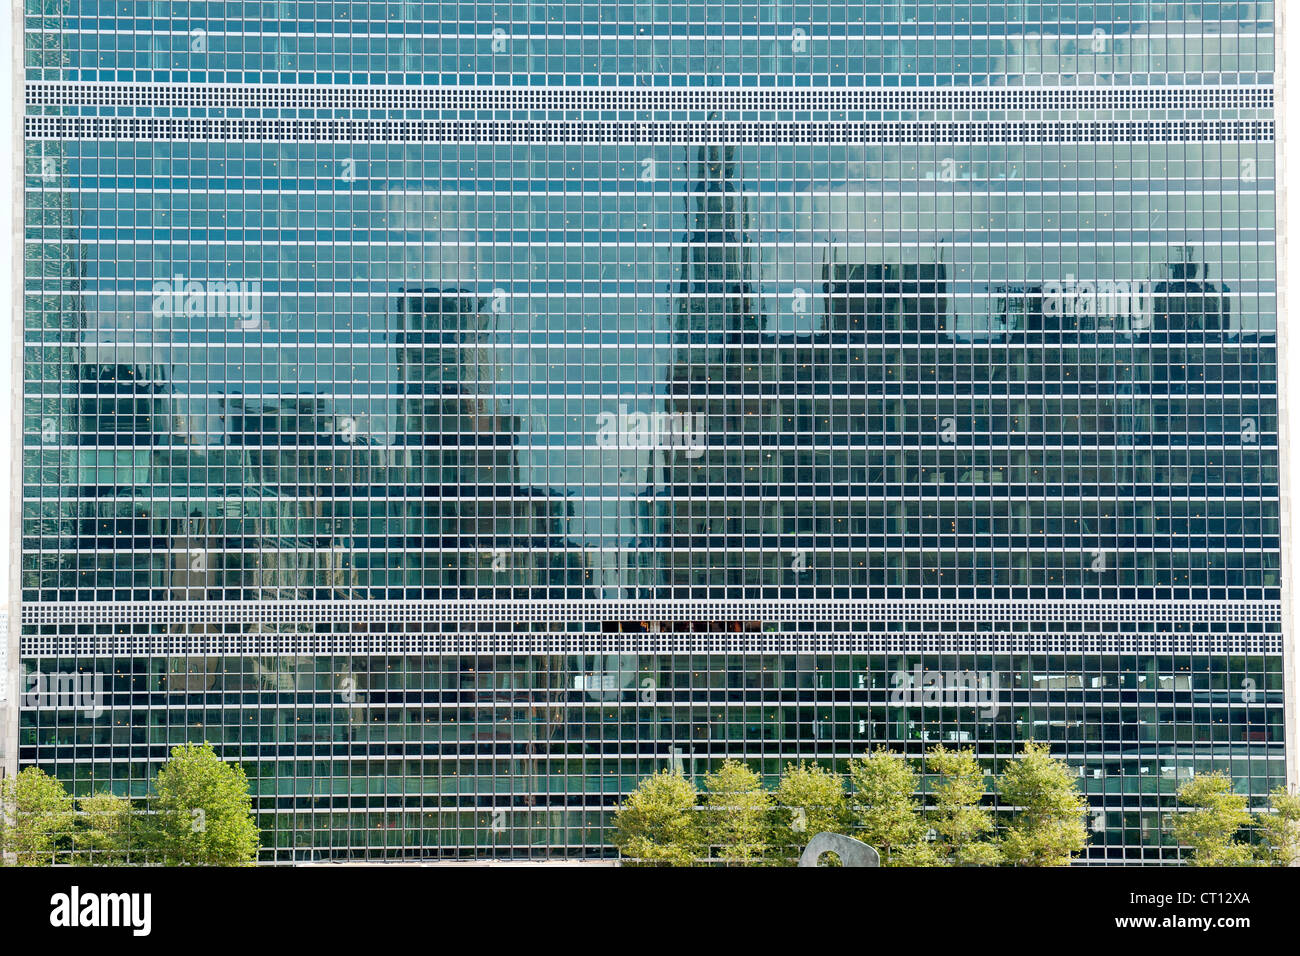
<point x="571" y="168"/>
<point x="633" y="18"/>
<point x="695" y="58"/>
<point x="839" y="497"/>
<point x="845" y="670"/>
<point x="674" y="583"/>
<point x="315" y="733"/>
<point x="630" y="17"/>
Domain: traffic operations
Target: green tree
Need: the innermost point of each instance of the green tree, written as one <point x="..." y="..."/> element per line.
<point x="1210" y="827"/>
<point x="963" y="825"/>
<point x="1047" y="827"/>
<point x="36" y="817"/>
<point x="737" y="814"/>
<point x="104" y="836"/>
<point x="887" y="811"/>
<point x="812" y="801"/>
<point x="1279" y="830"/>
<point x="202" y="812"/>
<point x="657" y="825"/>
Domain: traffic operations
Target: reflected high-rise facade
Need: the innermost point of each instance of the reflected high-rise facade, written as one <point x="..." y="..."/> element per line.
<point x="455" y="427"/>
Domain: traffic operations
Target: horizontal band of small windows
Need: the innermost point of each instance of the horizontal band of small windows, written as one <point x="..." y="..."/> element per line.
<point x="1040" y="669"/>
<point x="174" y="645"/>
<point x="401" y="665"/>
<point x="480" y="641"/>
<point x="633" y="610"/>
<point x="685" y="132"/>
<point x="780" y="675"/>
<point x="123" y="649"/>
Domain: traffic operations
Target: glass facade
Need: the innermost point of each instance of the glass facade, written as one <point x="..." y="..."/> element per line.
<point x="455" y="412"/>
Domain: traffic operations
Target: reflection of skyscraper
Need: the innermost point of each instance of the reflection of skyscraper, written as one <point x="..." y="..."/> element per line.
<point x="450" y="441"/>
<point x="1017" y="308"/>
<point x="842" y="390"/>
<point x="878" y="297"/>
<point x="443" y="349"/>
<point x="478" y="531"/>
<point x="718" y="371"/>
<point x="652" y="521"/>
<point x="296" y="466"/>
<point x="716" y="292"/>
<point x="1189" y="302"/>
<point x="120" y="424"/>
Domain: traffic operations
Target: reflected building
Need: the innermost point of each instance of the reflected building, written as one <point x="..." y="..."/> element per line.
<point x="120" y="424"/>
<point x="718" y="378"/>
<point x="477" y="530"/>
<point x="1188" y="301"/>
<point x="884" y="296"/>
